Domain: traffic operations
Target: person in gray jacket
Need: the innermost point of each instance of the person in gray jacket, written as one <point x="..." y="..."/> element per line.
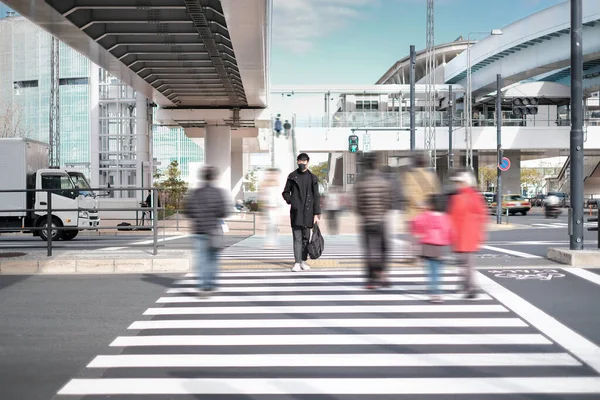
<point x="206" y="207"/>
<point x="302" y="194"/>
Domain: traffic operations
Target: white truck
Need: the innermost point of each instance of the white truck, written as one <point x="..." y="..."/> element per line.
<point x="24" y="165"/>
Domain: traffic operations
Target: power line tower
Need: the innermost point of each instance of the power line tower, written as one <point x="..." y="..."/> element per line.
<point x="430" y="100"/>
<point x="54" y="131"/>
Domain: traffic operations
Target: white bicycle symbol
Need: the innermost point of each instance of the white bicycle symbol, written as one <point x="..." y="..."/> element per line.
<point x="520" y="275"/>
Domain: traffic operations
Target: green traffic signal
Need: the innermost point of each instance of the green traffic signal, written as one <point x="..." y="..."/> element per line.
<point x="353" y="144"/>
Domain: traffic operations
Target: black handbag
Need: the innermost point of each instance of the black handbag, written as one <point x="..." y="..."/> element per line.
<point x="316" y="245"/>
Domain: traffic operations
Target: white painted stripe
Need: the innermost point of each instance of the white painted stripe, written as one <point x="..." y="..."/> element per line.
<point x="579" y="346"/>
<point x="166" y="239"/>
<point x="334" y="360"/>
<point x="300" y="279"/>
<point x="331" y="323"/>
<point x="113" y="248"/>
<point x="314" y="297"/>
<point x="434" y="308"/>
<point x="331" y="340"/>
<point x="511" y="252"/>
<point x="331" y="273"/>
<point x="331" y="386"/>
<point x="585" y="274"/>
<point x="287" y="289"/>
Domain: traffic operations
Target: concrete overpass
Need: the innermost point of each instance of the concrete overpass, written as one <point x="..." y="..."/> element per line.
<point x="204" y="62"/>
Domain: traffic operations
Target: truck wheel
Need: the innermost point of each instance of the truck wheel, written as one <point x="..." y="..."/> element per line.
<point x="69" y="235"/>
<point x="56" y="234"/>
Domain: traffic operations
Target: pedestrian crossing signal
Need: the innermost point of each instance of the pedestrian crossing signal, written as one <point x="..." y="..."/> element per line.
<point x="353" y="144"/>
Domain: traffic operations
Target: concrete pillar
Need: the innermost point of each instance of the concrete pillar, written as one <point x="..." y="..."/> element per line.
<point x="511" y="179"/>
<point x="143" y="144"/>
<point x="237" y="168"/>
<point x="217" y="152"/>
<point x="349" y="168"/>
<point x="94" y="125"/>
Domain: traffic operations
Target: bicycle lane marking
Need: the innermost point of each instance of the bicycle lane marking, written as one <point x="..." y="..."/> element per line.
<point x="578" y="345"/>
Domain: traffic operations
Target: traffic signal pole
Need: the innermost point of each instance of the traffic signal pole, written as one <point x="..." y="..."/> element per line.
<point x="499" y="144"/>
<point x="576" y="150"/>
<point x="413" y="61"/>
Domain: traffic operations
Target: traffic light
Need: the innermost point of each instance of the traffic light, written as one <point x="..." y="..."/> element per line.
<point x="525" y="106"/>
<point x="353" y="144"/>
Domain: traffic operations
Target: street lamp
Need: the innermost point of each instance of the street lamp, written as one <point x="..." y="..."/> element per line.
<point x="469" y="94"/>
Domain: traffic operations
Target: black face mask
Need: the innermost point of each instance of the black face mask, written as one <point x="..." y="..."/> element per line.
<point x="302" y="167"/>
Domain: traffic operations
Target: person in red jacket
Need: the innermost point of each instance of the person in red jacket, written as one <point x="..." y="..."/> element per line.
<point x="468" y="214"/>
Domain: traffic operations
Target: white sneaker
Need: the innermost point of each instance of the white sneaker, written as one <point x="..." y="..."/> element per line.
<point x="305" y="266"/>
<point x="297" y="268"/>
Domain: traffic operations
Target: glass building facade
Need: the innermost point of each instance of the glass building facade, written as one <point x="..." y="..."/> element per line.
<point x="120" y="146"/>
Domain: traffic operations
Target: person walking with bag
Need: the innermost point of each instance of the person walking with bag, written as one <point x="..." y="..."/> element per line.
<point x="373" y="203"/>
<point x="433" y="228"/>
<point x="301" y="192"/>
<point x="469" y="215"/>
<point x="206" y="207"/>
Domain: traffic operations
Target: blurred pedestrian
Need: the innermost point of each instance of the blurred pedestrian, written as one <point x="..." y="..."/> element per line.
<point x="373" y="202"/>
<point x="301" y="192"/>
<point x="206" y="207"/>
<point x="469" y="214"/>
<point x="333" y="206"/>
<point x="269" y="195"/>
<point x="420" y="182"/>
<point x="433" y="228"/>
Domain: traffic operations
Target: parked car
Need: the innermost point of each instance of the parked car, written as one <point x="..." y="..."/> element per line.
<point x="538" y="201"/>
<point x="514" y="203"/>
<point x="564" y="200"/>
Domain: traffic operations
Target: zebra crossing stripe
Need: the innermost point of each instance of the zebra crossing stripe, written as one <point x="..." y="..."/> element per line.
<point x="318" y="297"/>
<point x="316" y="288"/>
<point x="334" y="360"/>
<point x="433" y="308"/>
<point x="299" y="280"/>
<point x="330" y="274"/>
<point x="331" y="340"/>
<point x="332" y="386"/>
<point x="331" y="323"/>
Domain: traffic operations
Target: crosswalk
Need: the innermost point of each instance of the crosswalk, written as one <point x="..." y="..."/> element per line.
<point x="320" y="335"/>
<point x="559" y="225"/>
<point x="346" y="247"/>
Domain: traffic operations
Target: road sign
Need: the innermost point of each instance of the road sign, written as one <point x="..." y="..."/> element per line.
<point x="505" y="164"/>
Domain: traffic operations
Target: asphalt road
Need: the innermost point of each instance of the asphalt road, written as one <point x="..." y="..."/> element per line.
<point x="53" y="326"/>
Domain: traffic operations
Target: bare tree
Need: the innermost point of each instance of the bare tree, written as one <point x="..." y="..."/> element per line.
<point x="12" y="124"/>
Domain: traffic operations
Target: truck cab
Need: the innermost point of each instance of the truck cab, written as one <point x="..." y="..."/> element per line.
<point x="72" y="191"/>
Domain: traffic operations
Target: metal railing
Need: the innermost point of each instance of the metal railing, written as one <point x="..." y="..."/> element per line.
<point x="391" y="119"/>
<point x="32" y="222"/>
<point x="595" y="228"/>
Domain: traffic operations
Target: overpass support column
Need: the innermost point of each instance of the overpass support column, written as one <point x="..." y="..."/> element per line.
<point x="217" y="152"/>
<point x="511" y="179"/>
<point x="237" y="168"/>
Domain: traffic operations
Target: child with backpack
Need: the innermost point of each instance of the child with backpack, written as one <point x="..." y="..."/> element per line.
<point x="433" y="229"/>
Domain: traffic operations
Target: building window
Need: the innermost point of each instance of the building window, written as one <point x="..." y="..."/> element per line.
<point x="25" y="84"/>
<point x="74" y="81"/>
<point x="367" y="105"/>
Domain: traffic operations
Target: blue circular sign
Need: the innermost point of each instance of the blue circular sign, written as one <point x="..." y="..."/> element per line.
<point x="504" y="164"/>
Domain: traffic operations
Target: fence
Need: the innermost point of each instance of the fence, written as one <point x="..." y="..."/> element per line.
<point x="50" y="226"/>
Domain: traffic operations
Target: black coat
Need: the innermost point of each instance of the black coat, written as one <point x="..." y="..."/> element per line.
<point x="302" y="211"/>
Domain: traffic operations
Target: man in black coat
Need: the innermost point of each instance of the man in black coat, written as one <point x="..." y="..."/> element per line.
<point x="302" y="194"/>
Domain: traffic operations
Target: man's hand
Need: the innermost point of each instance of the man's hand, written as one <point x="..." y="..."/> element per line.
<point x="316" y="219"/>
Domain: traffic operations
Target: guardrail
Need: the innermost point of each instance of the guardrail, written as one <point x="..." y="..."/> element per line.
<point x="153" y="213"/>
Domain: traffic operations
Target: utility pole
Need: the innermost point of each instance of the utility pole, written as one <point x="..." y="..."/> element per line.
<point x="450" y="126"/>
<point x="430" y="101"/>
<point x="499" y="145"/>
<point x="413" y="61"/>
<point x="54" y="128"/>
<point x="576" y="150"/>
